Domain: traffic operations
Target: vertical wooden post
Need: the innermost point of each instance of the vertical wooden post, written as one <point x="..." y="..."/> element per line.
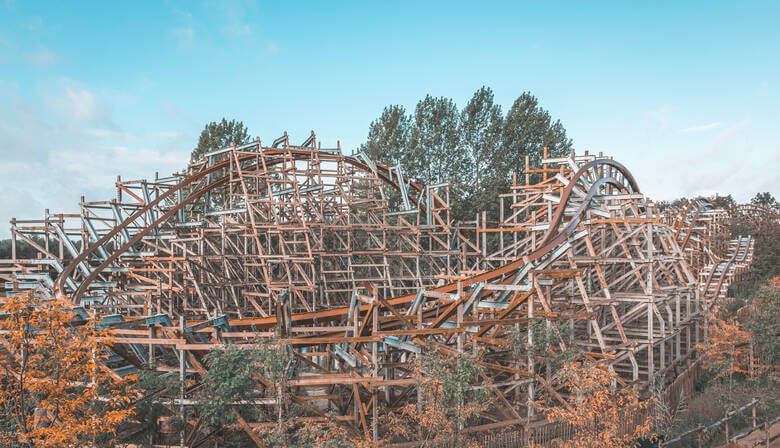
<point x="754" y="412"/>
<point x="151" y="367"/>
<point x="766" y="431"/>
<point x="459" y="317"/>
<point x="650" y="331"/>
<point x="527" y="174"/>
<point x="13" y="238"/>
<point x="531" y="367"/>
<point x="151" y="347"/>
<point x="698" y="437"/>
<point x="484" y="234"/>
<point x="181" y="386"/>
<point x="46" y="231"/>
<point x="375" y="354"/>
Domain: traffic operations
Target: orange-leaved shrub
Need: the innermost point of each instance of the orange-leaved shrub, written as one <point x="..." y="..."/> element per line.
<point x="54" y="386"/>
<point x="601" y="414"/>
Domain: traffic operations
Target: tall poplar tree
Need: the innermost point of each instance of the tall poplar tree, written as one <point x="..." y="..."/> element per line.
<point x="435" y="153"/>
<point x="476" y="149"/>
<point x="388" y="136"/>
<point x="528" y="128"/>
<point x="219" y="135"/>
<point x="481" y="127"/>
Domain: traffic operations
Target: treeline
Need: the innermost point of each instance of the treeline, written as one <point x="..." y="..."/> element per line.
<point x="23" y="250"/>
<point x="766" y="248"/>
<point x="476" y="149"/>
<point x="764" y="199"/>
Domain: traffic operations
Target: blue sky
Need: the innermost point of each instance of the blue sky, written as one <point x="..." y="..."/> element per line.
<point x="686" y="95"/>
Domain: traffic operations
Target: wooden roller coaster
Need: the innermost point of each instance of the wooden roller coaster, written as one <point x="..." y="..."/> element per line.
<point x="360" y="270"/>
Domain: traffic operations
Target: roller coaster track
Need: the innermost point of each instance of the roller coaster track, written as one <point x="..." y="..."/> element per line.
<point x="742" y="248"/>
<point x="360" y="271"/>
<point x="552" y="238"/>
<point x="59" y="284"/>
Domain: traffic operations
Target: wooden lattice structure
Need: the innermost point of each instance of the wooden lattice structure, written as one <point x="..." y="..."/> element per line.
<point x="315" y="247"/>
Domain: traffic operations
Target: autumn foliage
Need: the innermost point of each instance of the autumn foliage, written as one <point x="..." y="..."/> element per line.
<point x="54" y="389"/>
<point x="726" y="350"/>
<point x="600" y="414"/>
<point x="448" y="401"/>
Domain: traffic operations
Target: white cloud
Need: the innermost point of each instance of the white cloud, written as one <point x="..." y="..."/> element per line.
<point x="233" y="14"/>
<point x="700" y="128"/>
<point x="97" y="168"/>
<point x="81" y="103"/>
<point x="15" y="203"/>
<point x="59" y="150"/>
<point x="273" y="48"/>
<point x="658" y="119"/>
<point x="35" y="23"/>
<point x="239" y="29"/>
<point x="42" y="58"/>
<point x="185" y="36"/>
<point x="166" y="135"/>
<point x="107" y="134"/>
<point x="726" y="162"/>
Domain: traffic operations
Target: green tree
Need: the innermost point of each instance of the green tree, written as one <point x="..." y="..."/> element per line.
<point x="481" y="127"/>
<point x="231" y="386"/>
<point x="435" y="153"/>
<point x="216" y="136"/>
<point x="476" y="150"/>
<point x="219" y="135"/>
<point x="388" y="142"/>
<point x="763" y="322"/>
<point x="23" y="250"/>
<point x="388" y="136"/>
<point x="766" y="200"/>
<point x="155" y="390"/>
<point x="723" y="202"/>
<point x="546" y="338"/>
<point x="228" y="380"/>
<point x="528" y="128"/>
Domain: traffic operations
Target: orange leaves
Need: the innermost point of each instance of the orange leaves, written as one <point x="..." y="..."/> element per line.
<point x="448" y="402"/>
<point x="726" y="351"/>
<point x="52" y="375"/>
<point x="601" y="415"/>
